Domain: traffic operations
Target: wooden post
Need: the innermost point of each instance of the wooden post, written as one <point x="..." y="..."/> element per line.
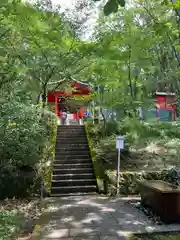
<point x="56" y="105"/>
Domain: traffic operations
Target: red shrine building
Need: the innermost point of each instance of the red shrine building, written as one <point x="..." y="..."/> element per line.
<point x="166" y="105"/>
<point x="58" y="99"/>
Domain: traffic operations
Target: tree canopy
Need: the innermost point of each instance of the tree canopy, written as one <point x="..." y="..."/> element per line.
<point x="136" y="52"/>
<point x="37" y="46"/>
<point x="133" y="52"/>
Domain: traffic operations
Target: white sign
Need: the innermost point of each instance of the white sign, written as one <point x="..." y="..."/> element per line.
<point x="119" y="146"/>
<point x="120" y="142"/>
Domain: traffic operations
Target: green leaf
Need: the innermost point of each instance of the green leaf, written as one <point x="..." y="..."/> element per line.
<point x="110" y="7"/>
<point x="165" y="2"/>
<point x="121" y="3"/>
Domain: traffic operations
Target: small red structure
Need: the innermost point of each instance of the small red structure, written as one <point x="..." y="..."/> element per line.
<point x="166" y="102"/>
<point x="58" y="98"/>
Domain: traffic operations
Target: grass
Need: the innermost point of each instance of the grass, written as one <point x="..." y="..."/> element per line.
<point x="17" y="217"/>
<point x="8" y="224"/>
<point x="149" y="146"/>
<point x="169" y="236"/>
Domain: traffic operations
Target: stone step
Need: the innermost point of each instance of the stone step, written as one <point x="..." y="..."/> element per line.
<point x="59" y="156"/>
<point x="73" y="170"/>
<point x="70" y="165"/>
<point x="72" y="161"/>
<point x="80" y="148"/>
<point x="73" y="182"/>
<point x="75" y="134"/>
<point x="74" y="189"/>
<point x="70" y="141"/>
<point x="71" y="133"/>
<point x="69" y="126"/>
<point x="73" y="152"/>
<point x="73" y="194"/>
<point x="75" y="145"/>
<point x="73" y="176"/>
<point x="68" y="137"/>
<point x="66" y="149"/>
<point x="67" y="129"/>
<point x="60" y="131"/>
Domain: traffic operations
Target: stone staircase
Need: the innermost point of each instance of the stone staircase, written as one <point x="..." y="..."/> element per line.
<point x="73" y="172"/>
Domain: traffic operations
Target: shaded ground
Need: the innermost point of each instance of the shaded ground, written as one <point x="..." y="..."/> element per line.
<point x="153" y="156"/>
<point x="169" y="236"/>
<point x="148" y="157"/>
<point x="96" y="218"/>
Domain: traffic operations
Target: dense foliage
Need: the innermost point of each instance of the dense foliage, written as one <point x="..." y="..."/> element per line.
<point x="24" y="136"/>
<point x="147" y="145"/>
<point x="136" y="52"/>
<point x="149" y="149"/>
<point x="37" y="46"/>
<point x="133" y="52"/>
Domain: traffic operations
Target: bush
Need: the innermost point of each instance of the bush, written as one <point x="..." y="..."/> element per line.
<point x="134" y="130"/>
<point x="139" y="130"/>
<point x="14" y="182"/>
<point x="24" y="136"/>
<point x="46" y="163"/>
<point x="106" y="152"/>
<point x="98" y="131"/>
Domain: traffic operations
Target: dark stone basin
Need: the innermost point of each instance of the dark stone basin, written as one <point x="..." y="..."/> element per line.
<point x="162" y="198"/>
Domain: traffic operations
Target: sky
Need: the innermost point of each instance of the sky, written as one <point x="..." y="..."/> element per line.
<point x="64" y="3"/>
<point x="89" y="25"/>
<point x="68" y="4"/>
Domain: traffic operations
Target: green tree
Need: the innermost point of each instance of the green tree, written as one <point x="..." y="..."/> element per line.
<point x="136" y="52"/>
<point x="37" y="46"/>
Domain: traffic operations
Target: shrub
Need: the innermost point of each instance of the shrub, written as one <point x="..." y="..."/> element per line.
<point x="23" y="138"/>
<point x="14" y="183"/>
<point x="98" y="131"/>
<point x="140" y="130"/>
<point x="46" y="162"/>
<point x="106" y="152"/>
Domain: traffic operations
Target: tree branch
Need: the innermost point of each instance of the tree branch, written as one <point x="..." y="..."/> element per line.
<point x="129" y="72"/>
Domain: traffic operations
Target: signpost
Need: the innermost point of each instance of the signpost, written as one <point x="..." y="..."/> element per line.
<point x="119" y="146"/>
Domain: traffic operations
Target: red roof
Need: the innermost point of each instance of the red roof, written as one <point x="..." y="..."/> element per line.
<point x="78" y="89"/>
